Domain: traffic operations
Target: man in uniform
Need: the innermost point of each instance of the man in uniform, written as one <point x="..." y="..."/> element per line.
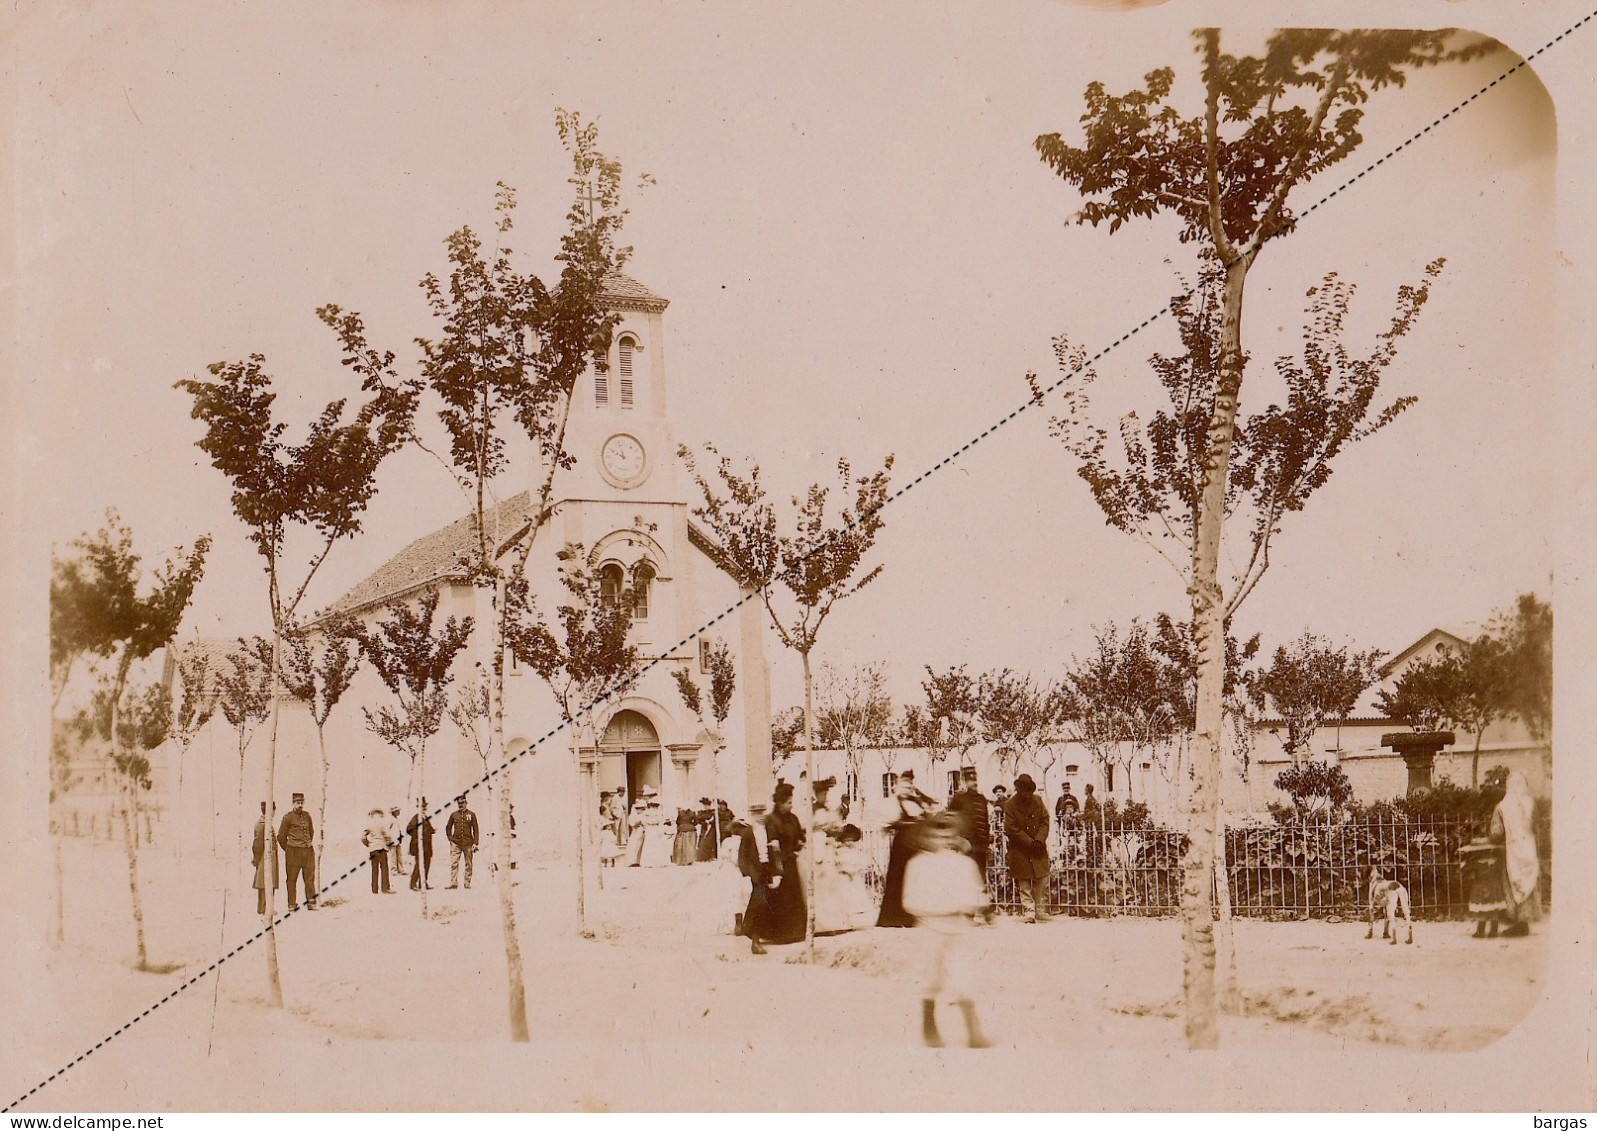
<point x="297" y="835"/>
<point x="461" y="832"/>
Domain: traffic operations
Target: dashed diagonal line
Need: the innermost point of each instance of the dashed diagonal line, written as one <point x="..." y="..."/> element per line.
<point x="905" y="489"/>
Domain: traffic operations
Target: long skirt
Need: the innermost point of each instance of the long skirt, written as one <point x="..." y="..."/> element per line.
<point x="788" y="911"/>
<point x="683" y="849"/>
<point x="892" y="913"/>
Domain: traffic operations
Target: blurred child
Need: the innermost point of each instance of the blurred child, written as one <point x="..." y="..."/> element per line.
<point x="943" y="890"/>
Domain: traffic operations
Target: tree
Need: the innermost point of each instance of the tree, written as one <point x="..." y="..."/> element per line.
<point x="1526" y="639"/>
<point x="787" y="735"/>
<point x="1309" y="684"/>
<point x="586" y="664"/>
<point x="413" y="661"/>
<point x="1118" y="701"/>
<point x="854" y="714"/>
<point x="1269" y="125"/>
<point x="244" y="696"/>
<point x="951" y="725"/>
<point x="818" y="565"/>
<point x="1019" y="715"/>
<point x="1318" y="790"/>
<point x="509" y="354"/>
<point x="101" y="613"/>
<point x="723" y="683"/>
<point x="317" y="670"/>
<point x="194" y="708"/>
<point x="314" y="493"/>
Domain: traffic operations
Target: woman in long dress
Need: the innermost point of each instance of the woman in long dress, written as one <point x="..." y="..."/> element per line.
<point x="658" y="835"/>
<point x="637" y="830"/>
<point x="1508" y="888"/>
<point x="912" y="806"/>
<point x="842" y="900"/>
<point x="785" y="837"/>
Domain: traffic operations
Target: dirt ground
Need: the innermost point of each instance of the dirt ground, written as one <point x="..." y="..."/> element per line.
<point x="371" y="968"/>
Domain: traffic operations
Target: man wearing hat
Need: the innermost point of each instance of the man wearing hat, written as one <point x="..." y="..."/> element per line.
<point x="461" y="832"/>
<point x="1026" y="829"/>
<point x="378" y="838"/>
<point x="297" y="835"/>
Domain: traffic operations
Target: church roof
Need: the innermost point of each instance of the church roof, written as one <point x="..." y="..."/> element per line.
<point x="439" y="556"/>
<point x="622" y="292"/>
<point x="442" y="556"/>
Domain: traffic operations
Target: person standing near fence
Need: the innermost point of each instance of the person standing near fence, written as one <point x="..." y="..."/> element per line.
<point x="943" y="890"/>
<point x="1511" y="892"/>
<point x="1026" y="830"/>
<point x="971" y="808"/>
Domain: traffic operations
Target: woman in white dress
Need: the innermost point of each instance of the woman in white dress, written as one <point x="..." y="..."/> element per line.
<point x="842" y="900"/>
<point x="657" y="834"/>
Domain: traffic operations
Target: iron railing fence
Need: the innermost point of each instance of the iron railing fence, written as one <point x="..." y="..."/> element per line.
<point x="1275" y="871"/>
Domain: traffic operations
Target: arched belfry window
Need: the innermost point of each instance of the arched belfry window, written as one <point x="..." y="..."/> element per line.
<point x="625" y="349"/>
<point x="601" y="381"/>
<point x="611" y="582"/>
<point x="642" y="583"/>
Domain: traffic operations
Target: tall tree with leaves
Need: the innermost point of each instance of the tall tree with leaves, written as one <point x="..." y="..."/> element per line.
<point x="1309" y="684"/>
<point x="413" y="660"/>
<point x="244" y="696"/>
<point x="503" y="366"/>
<point x="296" y="500"/>
<point x="317" y="669"/>
<point x="818" y="565"/>
<point x="1525" y="637"/>
<point x="194" y="705"/>
<point x="586" y="664"/>
<point x="1020" y="715"/>
<point x="103" y="614"/>
<point x="1269" y="125"/>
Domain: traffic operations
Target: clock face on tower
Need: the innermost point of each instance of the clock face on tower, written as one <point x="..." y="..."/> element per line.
<point x="622" y="461"/>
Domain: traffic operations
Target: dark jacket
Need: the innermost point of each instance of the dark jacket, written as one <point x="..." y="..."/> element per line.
<point x="427" y="833"/>
<point x="462" y="828"/>
<point x="296" y="830"/>
<point x="784" y="837"/>
<point x="749" y="862"/>
<point x="971" y="806"/>
<point x="1026" y="827"/>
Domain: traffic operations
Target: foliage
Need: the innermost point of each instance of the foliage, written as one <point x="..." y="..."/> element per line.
<point x="1319" y="791"/>
<point x="589" y="659"/>
<point x="1309" y="684"/>
<point x="413" y="661"/>
<point x="1124" y="700"/>
<point x="787" y="732"/>
<point x="817" y="564"/>
<point x="1152" y="487"/>
<point x="1018" y="714"/>
<point x="1135" y="815"/>
<point x="317" y="669"/>
<point x="1526" y="637"/>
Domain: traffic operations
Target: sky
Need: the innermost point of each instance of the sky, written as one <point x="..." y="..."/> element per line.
<point x="863" y="255"/>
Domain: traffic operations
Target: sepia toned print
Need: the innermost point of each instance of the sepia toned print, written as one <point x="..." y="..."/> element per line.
<point x="591" y="557"/>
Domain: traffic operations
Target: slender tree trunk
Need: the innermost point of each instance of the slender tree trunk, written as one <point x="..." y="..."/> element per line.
<point x="130" y="841"/>
<point x="807" y="804"/>
<point x="1225" y="935"/>
<point x="418" y="793"/>
<point x="1475" y="761"/>
<point x="1208" y="626"/>
<point x="582" y="831"/>
<point x="274" y="976"/>
<point x="321" y="804"/>
<point x="507" y="896"/>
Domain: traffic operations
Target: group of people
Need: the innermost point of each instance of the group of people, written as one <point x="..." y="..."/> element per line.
<point x="384" y="841"/>
<point x="644" y="835"/>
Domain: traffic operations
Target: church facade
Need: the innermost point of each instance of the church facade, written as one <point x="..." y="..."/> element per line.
<point x="626" y="502"/>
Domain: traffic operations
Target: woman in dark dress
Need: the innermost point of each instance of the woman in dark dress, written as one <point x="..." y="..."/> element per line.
<point x="912" y="806"/>
<point x="784" y="837"/>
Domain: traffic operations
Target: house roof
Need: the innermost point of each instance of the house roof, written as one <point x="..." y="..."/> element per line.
<point x="1428" y="643"/>
<point x="439" y="556"/>
<point x="621" y="291"/>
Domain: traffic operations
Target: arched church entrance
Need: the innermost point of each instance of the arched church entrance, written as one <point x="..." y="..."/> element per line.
<point x="629" y="754"/>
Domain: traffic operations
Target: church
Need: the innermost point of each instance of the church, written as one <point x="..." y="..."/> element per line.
<point x="627" y="503"/>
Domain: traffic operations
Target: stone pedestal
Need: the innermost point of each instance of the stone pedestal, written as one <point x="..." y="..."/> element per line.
<point x="1419" y="750"/>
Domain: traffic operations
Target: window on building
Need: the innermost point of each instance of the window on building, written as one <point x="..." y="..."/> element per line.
<point x="889" y="783"/>
<point x="624" y="352"/>
<point x="850" y="786"/>
<point x="1109" y="779"/>
<point x="601" y="381"/>
<point x="953" y="782"/>
<point x="642" y="582"/>
<point x="611" y="582"/>
<point x="1072" y="769"/>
